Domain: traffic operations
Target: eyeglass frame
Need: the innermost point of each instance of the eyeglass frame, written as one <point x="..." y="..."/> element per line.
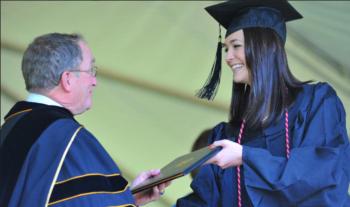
<point x="92" y="71"/>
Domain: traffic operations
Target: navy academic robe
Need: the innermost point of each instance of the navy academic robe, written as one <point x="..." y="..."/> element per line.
<point x="316" y="174"/>
<point x="48" y="159"/>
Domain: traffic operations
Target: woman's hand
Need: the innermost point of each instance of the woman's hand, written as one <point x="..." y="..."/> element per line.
<point x="230" y="155"/>
<point x="153" y="194"/>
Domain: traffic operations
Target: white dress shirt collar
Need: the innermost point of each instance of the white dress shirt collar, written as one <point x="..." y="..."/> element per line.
<point x="38" y="98"/>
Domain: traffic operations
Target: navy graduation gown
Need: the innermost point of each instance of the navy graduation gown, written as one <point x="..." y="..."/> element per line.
<point x="316" y="174"/>
<point x="48" y="159"/>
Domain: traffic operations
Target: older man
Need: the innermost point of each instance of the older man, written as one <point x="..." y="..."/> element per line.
<point x="46" y="157"/>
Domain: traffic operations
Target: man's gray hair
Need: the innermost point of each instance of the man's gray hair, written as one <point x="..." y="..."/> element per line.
<point x="47" y="57"/>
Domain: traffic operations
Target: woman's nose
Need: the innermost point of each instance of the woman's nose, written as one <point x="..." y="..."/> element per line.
<point x="94" y="81"/>
<point x="229" y="56"/>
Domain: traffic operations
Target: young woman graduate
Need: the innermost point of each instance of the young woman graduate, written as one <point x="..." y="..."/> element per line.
<point x="286" y="142"/>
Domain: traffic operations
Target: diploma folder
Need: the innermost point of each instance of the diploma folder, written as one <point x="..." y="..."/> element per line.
<point x="179" y="167"/>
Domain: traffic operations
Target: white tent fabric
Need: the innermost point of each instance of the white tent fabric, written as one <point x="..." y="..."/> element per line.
<point x="153" y="56"/>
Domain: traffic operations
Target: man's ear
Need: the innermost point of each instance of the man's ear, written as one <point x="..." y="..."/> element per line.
<point x="66" y="82"/>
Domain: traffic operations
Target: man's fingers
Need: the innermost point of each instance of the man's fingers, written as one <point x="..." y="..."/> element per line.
<point x="167" y="183"/>
<point x="153" y="172"/>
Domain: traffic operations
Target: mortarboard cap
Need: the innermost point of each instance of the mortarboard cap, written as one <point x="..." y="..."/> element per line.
<point x="239" y="14"/>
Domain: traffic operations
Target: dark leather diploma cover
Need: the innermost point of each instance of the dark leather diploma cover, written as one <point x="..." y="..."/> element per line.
<point x="178" y="168"/>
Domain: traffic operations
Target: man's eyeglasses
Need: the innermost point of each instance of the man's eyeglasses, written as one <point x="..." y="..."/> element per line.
<point x="92" y="71"/>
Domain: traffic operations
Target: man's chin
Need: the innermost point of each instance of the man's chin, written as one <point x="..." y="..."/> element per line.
<point x="82" y="111"/>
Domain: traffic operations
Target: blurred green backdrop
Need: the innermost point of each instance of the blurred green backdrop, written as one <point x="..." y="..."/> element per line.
<point x="153" y="56"/>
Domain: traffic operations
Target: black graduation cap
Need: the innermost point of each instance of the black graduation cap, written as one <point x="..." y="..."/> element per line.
<point x="239" y="14"/>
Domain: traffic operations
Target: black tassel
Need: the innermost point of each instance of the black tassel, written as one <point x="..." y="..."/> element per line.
<point x="210" y="88"/>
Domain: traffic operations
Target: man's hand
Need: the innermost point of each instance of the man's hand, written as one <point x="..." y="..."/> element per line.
<point x="147" y="196"/>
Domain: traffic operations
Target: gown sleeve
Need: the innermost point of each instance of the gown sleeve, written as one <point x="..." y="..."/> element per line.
<point x="205" y="186"/>
<point x="317" y="172"/>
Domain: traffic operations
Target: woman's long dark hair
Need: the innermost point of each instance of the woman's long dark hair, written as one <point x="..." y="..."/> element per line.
<point x="273" y="87"/>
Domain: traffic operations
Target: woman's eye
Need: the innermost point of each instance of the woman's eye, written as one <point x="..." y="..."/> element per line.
<point x="236" y="46"/>
<point x="225" y="49"/>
